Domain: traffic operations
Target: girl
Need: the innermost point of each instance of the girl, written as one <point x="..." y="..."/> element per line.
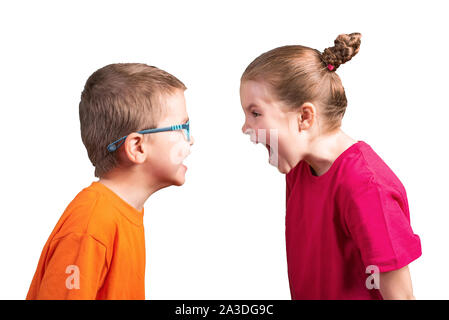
<point x="348" y="232"/>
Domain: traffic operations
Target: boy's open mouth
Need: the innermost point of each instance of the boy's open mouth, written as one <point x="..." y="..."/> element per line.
<point x="185" y="162"/>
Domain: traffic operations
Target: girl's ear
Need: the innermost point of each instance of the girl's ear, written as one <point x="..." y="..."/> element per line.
<point x="306" y="116"/>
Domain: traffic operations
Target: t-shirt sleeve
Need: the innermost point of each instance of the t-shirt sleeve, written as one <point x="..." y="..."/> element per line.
<point x="75" y="268"/>
<point x="378" y="220"/>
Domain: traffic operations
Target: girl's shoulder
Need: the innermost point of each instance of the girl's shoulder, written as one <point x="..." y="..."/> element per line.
<point x="364" y="167"/>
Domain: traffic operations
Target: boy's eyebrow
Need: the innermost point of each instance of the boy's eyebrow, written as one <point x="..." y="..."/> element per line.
<point x="186" y="119"/>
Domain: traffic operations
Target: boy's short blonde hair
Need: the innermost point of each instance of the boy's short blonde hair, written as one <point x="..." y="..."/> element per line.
<point x="119" y="99"/>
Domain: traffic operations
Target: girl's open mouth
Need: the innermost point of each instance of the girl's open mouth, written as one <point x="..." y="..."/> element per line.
<point x="268" y="148"/>
<point x="271" y="158"/>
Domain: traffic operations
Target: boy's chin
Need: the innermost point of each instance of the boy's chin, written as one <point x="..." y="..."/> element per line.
<point x="179" y="182"/>
<point x="180" y="177"/>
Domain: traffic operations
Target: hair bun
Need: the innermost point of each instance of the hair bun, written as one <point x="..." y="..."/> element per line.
<point x="346" y="46"/>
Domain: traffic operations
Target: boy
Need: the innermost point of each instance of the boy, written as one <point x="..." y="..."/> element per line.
<point x="97" y="249"/>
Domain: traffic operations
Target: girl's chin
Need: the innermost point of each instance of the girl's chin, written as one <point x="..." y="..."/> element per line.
<point x="277" y="161"/>
<point x="284" y="170"/>
<point x="273" y="159"/>
<point x="280" y="164"/>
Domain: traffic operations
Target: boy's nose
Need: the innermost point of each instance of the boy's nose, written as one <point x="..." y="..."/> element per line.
<point x="192" y="140"/>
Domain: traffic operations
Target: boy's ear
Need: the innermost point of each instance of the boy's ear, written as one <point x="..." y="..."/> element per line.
<point x="306" y="116"/>
<point x="134" y="148"/>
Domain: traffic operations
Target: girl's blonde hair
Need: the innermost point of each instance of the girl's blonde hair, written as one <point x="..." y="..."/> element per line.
<point x="298" y="74"/>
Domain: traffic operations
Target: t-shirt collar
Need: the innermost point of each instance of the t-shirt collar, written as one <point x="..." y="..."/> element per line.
<point x="134" y="215"/>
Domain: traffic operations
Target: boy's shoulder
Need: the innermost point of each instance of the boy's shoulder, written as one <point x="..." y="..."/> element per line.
<point x="88" y="213"/>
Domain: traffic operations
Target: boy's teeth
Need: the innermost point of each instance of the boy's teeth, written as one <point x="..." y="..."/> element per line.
<point x="186" y="161"/>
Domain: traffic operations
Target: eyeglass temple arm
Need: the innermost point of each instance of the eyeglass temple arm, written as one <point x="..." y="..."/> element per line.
<point x="113" y="146"/>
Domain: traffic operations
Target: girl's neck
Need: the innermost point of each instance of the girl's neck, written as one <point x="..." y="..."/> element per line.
<point x="324" y="149"/>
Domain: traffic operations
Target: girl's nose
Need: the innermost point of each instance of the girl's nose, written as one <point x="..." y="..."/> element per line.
<point x="244" y="128"/>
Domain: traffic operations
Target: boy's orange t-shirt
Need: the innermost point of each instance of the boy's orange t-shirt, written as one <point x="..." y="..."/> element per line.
<point x="96" y="250"/>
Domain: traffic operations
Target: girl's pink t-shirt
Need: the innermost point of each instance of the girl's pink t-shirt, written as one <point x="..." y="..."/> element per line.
<point x="344" y="225"/>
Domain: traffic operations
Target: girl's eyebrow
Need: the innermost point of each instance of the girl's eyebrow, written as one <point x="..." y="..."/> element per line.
<point x="250" y="106"/>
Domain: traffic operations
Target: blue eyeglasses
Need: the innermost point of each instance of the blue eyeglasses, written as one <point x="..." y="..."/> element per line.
<point x="185" y="127"/>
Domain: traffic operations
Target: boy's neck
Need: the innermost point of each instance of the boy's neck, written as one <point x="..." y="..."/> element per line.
<point x="131" y="189"/>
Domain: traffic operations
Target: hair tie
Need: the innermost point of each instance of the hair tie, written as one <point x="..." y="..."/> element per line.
<point x="330" y="67"/>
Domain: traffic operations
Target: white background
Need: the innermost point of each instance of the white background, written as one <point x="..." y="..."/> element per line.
<point x="221" y="235"/>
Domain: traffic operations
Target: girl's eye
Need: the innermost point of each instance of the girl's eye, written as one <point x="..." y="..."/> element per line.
<point x="255" y="114"/>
